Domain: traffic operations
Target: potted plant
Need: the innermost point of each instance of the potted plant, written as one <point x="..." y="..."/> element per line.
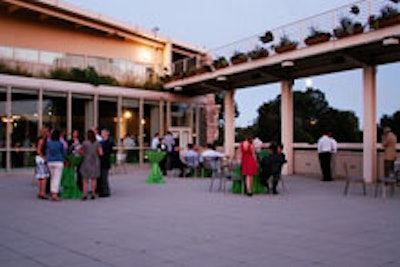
<point x="347" y="28"/>
<point x="267" y="37"/>
<point x="388" y="16"/>
<point x="238" y="58"/>
<point x="285" y="45"/>
<point x="220" y="63"/>
<point x="258" y="52"/>
<point x="316" y="37"/>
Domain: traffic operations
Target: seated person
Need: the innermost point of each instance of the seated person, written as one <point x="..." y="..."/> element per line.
<point x="211" y="152"/>
<point x="191" y="158"/>
<point x="271" y="166"/>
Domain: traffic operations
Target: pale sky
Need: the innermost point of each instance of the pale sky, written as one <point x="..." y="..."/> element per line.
<point x="215" y="23"/>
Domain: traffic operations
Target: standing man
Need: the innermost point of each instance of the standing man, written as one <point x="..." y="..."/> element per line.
<point x="155" y="141"/>
<point x="103" y="187"/>
<point x="326" y="147"/>
<point x="389" y="141"/>
<point x="170" y="143"/>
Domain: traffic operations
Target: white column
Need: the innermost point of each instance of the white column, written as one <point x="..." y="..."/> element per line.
<point x="370" y="135"/>
<point x="169" y="119"/>
<point x="69" y="115"/>
<point x="161" y="118"/>
<point x="8" y="128"/>
<point x="96" y="110"/>
<point x="287" y="125"/>
<point x="197" y="124"/>
<point x="119" y="121"/>
<point x="229" y="106"/>
<point x="141" y="129"/>
<point x="40" y="110"/>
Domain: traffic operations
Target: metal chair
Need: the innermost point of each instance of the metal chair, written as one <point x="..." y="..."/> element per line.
<point x="352" y="179"/>
<point x="230" y="174"/>
<point x="383" y="183"/>
<point x="120" y="162"/>
<point x="213" y="164"/>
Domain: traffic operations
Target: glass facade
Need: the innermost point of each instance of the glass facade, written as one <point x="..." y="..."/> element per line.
<point x="24" y="110"/>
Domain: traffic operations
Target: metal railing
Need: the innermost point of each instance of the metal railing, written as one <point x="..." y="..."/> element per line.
<point x="361" y="16"/>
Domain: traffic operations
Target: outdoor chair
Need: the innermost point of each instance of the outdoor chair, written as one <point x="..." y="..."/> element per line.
<point x="383" y="183"/>
<point x="352" y="179"/>
<point x="120" y="162"/>
<point x="213" y="164"/>
<point x="230" y="174"/>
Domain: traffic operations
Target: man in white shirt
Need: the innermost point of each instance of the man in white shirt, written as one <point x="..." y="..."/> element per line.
<point x="326" y="147"/>
<point x="155" y="142"/>
<point x="211" y="152"/>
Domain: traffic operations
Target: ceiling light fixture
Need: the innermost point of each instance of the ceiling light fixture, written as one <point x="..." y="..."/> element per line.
<point x="287" y="64"/>
<point x="221" y="78"/>
<point x="178" y="88"/>
<point x="390" y="41"/>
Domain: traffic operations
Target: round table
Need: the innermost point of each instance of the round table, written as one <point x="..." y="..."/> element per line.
<point x="68" y="182"/>
<point x="155" y="176"/>
<point x="257" y="187"/>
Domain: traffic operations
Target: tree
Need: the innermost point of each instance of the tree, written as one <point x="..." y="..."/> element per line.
<point x="312" y="116"/>
<point x="392" y="121"/>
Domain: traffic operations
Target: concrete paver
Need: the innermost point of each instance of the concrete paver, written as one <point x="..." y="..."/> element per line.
<point x="180" y="223"/>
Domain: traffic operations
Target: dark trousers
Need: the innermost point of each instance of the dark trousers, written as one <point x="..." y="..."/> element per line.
<point x="103" y="188"/>
<point x="388" y="167"/>
<point x="325" y="162"/>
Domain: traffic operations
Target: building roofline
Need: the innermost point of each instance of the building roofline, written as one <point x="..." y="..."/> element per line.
<point x="103" y="20"/>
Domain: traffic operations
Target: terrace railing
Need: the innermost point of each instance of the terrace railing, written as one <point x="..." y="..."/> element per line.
<point x="360" y="17"/>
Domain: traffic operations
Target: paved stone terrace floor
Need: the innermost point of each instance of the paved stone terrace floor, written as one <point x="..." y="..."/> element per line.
<point x="180" y="223"/>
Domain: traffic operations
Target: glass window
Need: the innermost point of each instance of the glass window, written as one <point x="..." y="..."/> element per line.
<point x="6" y="52"/>
<point x="51" y="58"/>
<point x="55" y="110"/>
<point x="151" y="121"/>
<point x="26" y="55"/>
<point x="180" y="114"/>
<point x="108" y="115"/>
<point x="101" y="65"/>
<point x="82" y="113"/>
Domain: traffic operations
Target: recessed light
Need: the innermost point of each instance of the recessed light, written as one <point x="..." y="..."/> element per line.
<point x="287" y="64"/>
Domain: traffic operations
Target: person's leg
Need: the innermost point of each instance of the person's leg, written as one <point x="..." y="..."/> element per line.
<point x="56" y="172"/>
<point x="275" y="181"/>
<point x="84" y="188"/>
<point x="249" y="184"/>
<point x="94" y="184"/>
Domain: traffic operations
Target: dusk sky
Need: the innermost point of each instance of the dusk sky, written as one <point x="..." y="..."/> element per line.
<point x="211" y="24"/>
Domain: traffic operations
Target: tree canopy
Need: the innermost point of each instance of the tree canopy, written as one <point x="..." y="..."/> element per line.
<point x="312" y="116"/>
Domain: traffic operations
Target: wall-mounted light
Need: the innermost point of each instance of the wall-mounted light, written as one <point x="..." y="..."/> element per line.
<point x="178" y="88"/>
<point x="127" y="114"/>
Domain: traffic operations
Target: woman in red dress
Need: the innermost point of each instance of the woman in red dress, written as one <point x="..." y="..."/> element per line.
<point x="248" y="162"/>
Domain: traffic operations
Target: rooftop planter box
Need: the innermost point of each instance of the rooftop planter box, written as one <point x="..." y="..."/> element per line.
<point x="317" y="37"/>
<point x="389" y="16"/>
<point x="220" y="63"/>
<point x="348" y="28"/>
<point x="257" y="53"/>
<point x="285" y="45"/>
<point x="238" y="58"/>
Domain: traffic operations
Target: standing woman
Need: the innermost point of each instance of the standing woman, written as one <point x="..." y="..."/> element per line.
<point x="90" y="168"/>
<point x="41" y="171"/>
<point x="248" y="162"/>
<point x="55" y="161"/>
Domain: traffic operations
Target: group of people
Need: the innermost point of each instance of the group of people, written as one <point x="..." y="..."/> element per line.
<point x="271" y="165"/>
<point x="52" y="149"/>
